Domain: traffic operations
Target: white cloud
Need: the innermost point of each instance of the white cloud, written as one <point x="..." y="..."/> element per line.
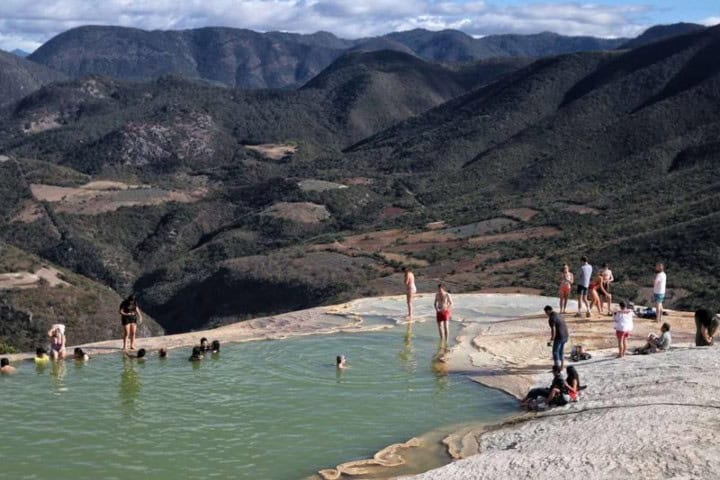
<point x="28" y="24"/>
<point x="710" y="21"/>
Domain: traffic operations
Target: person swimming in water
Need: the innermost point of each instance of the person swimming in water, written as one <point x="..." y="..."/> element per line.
<point x="204" y="346"/>
<point x="163" y="353"/>
<point x="41" y="356"/>
<point x="410" y="290"/>
<point x="215" y="346"/>
<point x="341" y="362"/>
<point x="57" y="341"/>
<point x="5" y="367"/>
<point x="80" y="355"/>
<point x="139" y="356"/>
<point x="196" y="355"/>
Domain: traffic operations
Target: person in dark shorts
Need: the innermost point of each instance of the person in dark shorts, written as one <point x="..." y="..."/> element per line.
<point x="130" y="316"/>
<point x="582" y="279"/>
<point x="558" y="336"/>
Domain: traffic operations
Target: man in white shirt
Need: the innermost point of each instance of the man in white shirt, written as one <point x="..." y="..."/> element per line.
<point x="659" y="290"/>
<point x="582" y="279"/>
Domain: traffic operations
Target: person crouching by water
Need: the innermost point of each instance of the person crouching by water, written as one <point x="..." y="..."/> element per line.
<point x="341" y="362"/>
<point x="558" y="336"/>
<point x="57" y="341"/>
<point x="5" y="367"/>
<point x="443" y="303"/>
<point x="623" y="323"/>
<point x="196" y="355"/>
<point x="706" y="325"/>
<point x="130" y="316"/>
<point x="557" y="394"/>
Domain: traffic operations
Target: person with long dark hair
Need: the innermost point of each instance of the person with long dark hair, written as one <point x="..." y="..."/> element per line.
<point x="130" y="316"/>
<point x="706" y="325"/>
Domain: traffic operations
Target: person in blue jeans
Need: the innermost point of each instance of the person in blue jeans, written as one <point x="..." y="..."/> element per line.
<point x="558" y="336"/>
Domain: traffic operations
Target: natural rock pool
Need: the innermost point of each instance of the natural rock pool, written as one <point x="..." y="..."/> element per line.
<point x="259" y="410"/>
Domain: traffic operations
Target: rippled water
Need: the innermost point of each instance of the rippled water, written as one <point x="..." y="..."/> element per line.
<point x="263" y="410"/>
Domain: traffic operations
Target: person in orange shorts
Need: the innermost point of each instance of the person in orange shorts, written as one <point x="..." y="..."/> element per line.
<point x="566" y="281"/>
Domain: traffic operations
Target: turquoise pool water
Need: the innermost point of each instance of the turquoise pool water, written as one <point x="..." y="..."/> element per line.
<point x="261" y="410"/>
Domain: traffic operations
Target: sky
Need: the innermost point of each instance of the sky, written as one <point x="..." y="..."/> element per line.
<point x="26" y="24"/>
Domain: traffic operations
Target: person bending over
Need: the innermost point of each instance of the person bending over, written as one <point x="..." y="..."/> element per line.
<point x="706" y="324"/>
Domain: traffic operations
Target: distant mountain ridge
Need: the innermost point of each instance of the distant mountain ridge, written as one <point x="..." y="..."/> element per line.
<point x="20" y="77"/>
<point x="247" y="59"/>
<point x="662" y="32"/>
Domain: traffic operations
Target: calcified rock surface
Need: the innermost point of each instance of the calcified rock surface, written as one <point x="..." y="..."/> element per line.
<point x="653" y="416"/>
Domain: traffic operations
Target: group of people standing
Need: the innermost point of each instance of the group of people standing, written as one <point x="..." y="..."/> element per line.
<point x="593" y="288"/>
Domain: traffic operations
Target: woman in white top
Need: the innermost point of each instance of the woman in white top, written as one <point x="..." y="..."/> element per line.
<point x="410" y="290"/>
<point x="623" y="323"/>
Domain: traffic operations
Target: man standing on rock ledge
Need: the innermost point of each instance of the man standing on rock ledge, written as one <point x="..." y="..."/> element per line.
<point x="558" y="336"/>
<point x="659" y="285"/>
<point x="583" y="284"/>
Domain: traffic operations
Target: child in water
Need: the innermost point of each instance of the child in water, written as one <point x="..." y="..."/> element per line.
<point x="41" y="356"/>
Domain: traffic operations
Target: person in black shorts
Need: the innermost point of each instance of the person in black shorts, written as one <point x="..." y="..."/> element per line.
<point x="130" y="316"/>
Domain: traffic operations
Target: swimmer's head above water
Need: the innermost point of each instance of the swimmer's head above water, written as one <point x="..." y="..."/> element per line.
<point x="340" y="361"/>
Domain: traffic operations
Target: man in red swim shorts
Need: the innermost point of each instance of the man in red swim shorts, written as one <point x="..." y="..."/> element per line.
<point x="443" y="302"/>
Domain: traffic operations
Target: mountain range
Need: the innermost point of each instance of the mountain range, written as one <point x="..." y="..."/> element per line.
<point x="247" y="59"/>
<point x="218" y="204"/>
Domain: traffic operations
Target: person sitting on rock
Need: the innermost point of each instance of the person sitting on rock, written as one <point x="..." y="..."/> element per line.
<point x="555" y="395"/>
<point x="657" y="343"/>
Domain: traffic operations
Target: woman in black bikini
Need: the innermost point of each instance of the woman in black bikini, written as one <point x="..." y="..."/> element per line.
<point x="130" y="316"/>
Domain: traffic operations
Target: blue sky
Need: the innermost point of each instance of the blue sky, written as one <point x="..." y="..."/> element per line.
<point x="27" y="24"/>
